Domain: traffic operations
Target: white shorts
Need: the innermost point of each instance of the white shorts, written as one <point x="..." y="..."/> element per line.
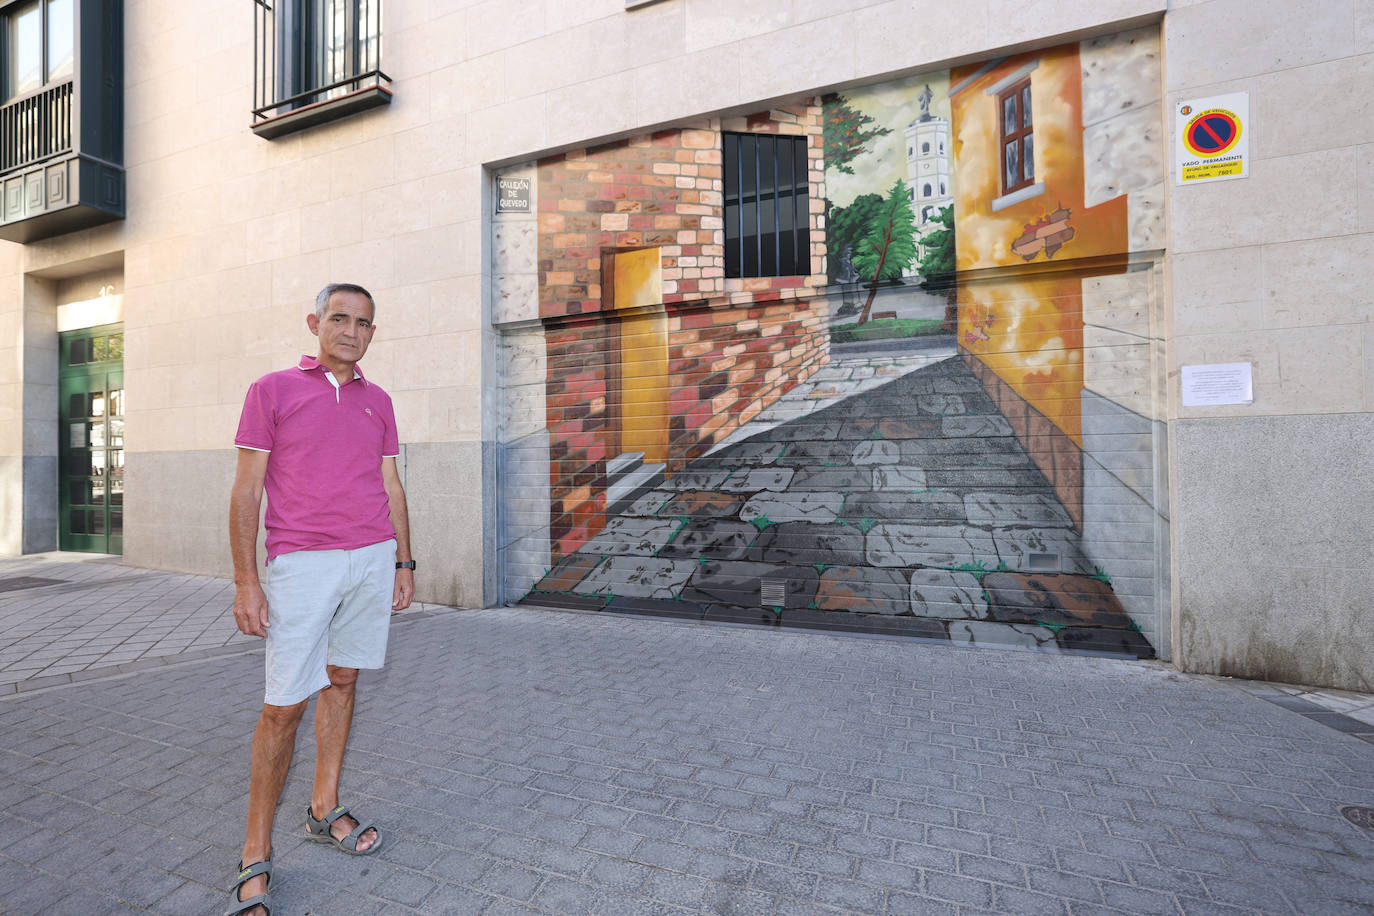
<point x="325" y="607"/>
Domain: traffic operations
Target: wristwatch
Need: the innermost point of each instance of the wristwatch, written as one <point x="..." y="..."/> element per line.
<point x="408" y="564"/>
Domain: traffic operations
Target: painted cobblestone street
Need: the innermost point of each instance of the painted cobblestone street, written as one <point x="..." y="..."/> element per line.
<point x="525" y="761"/>
<point x="899" y="502"/>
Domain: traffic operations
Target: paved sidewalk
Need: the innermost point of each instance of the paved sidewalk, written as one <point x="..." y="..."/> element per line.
<point x="67" y="617"/>
<point x="528" y="761"/>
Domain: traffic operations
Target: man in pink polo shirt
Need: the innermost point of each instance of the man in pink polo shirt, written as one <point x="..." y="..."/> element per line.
<point x="321" y="441"/>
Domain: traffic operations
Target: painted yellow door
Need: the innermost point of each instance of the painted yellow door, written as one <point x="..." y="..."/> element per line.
<point x="643" y="355"/>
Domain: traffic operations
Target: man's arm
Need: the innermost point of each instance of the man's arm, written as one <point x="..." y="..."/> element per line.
<point x="404" y="589"/>
<point x="245" y="503"/>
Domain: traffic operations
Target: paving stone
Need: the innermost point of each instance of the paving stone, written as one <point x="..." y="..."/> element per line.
<point x="840" y="480"/>
<point x="638" y="576"/>
<point x="631" y="536"/>
<point x="860" y="427"/>
<point x="738" y="583"/>
<point x="805" y="453"/>
<point x="701" y="504"/>
<point x="1123" y="642"/>
<point x="805" y="543"/>
<point x="863" y="590"/>
<point x="946" y="594"/>
<point x="807" y="428"/>
<point x="877" y="624"/>
<point x="912" y="508"/>
<point x="648" y="504"/>
<point x="966" y="478"/>
<point x="908" y="427"/>
<point x="941" y="404"/>
<point x="697" y="479"/>
<point x="898" y="478"/>
<point x="793" y="507"/>
<point x="753" y="480"/>
<point x="875" y="452"/>
<point x="746" y="453"/>
<point x="716" y="540"/>
<point x="893" y="544"/>
<point x="1035" y="549"/>
<point x="1007" y="510"/>
<point x="991" y="633"/>
<point x="975" y="426"/>
<point x="1054" y="598"/>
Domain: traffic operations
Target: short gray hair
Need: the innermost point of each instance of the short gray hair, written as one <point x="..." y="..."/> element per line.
<point x="322" y="300"/>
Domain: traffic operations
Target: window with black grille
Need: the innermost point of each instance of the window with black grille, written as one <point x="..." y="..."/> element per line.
<point x="767" y="208"/>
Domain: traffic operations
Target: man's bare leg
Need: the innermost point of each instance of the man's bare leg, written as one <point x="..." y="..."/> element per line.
<point x="274" y="740"/>
<point x="333" y="720"/>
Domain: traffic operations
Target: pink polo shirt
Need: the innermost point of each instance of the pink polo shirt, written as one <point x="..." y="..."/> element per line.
<point x="324" y="477"/>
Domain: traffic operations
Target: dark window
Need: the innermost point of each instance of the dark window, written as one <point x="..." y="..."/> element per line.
<point x="767" y="206"/>
<point x="322" y="44"/>
<point x="925" y="148"/>
<point x="1018" y="141"/>
<point x="311" y="52"/>
<point x="40" y="41"/>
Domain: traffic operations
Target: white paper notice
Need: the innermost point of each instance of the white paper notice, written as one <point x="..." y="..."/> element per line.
<point x="1222" y="383"/>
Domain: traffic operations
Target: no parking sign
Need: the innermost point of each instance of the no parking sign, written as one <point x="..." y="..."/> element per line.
<point x="1211" y="138"/>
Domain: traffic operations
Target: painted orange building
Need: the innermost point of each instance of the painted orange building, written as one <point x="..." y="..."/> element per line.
<point x="1020" y="210"/>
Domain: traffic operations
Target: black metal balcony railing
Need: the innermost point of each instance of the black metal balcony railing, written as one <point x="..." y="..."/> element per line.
<point x="36" y="127"/>
<point x="308" y="55"/>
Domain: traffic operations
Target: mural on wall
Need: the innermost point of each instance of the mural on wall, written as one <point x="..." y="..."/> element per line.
<point x="907" y="438"/>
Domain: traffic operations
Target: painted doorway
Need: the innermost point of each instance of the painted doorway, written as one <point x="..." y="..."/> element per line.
<point x="91" y="440"/>
<point x="643" y="395"/>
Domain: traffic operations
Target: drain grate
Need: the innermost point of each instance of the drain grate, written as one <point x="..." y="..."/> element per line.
<point x="1360" y="817"/>
<point x="772" y="592"/>
<point x="16" y="583"/>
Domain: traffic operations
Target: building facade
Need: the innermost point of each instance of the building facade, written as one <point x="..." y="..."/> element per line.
<point x="792" y="316"/>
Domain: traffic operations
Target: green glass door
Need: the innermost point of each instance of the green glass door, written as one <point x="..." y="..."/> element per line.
<point x="91" y="440"/>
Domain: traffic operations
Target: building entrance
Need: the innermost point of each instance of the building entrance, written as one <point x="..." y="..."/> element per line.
<point x="91" y="440"/>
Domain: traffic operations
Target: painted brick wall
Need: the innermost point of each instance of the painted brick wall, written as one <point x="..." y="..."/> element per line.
<point x="728" y="364"/>
<point x="734" y="345"/>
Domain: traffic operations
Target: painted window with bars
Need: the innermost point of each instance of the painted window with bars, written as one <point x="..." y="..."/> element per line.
<point x="1018" y="139"/>
<point x="767" y="206"/>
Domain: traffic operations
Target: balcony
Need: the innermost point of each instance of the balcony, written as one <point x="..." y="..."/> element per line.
<point x="315" y="62"/>
<point x="62" y="144"/>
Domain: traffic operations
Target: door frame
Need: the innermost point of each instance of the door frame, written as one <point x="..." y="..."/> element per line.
<point x="96" y="373"/>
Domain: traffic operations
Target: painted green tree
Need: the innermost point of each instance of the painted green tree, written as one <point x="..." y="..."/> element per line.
<point x="889" y="243"/>
<point x="845" y="228"/>
<point x="846" y="132"/>
<point x="937" y="266"/>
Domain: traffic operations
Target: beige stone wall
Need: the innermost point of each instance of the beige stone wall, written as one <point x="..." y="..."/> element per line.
<point x="1271" y="521"/>
<point x="228" y="236"/>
